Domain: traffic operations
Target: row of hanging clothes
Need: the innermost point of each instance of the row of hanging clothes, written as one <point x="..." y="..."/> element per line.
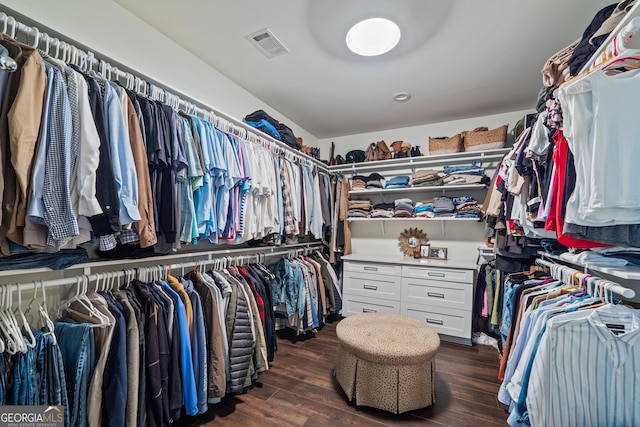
<point x="90" y="158"/>
<point x="152" y="345"/>
<point x="555" y="187"/>
<point x="571" y="349"/>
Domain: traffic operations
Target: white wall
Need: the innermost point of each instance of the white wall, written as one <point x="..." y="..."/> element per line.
<point x="110" y="30"/>
<point x="418" y="135"/>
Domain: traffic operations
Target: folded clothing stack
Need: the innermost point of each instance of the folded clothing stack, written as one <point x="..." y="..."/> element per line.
<point x="424" y="209"/>
<point x="358" y="183"/>
<point x="375" y="180"/>
<point x="472" y="169"/>
<point x="426" y="178"/>
<point x="443" y="207"/>
<point x="401" y="181"/>
<point x="383" y="210"/>
<point x="465" y="174"/>
<point x="462" y="178"/>
<point x="359" y="209"/>
<point x="467" y="207"/>
<point x="403" y="208"/>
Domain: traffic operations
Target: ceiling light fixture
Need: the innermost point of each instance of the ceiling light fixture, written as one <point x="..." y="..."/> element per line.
<point x="373" y="37"/>
<point x="401" y="96"/>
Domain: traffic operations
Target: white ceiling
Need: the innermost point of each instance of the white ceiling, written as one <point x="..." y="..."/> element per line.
<point x="457" y="58"/>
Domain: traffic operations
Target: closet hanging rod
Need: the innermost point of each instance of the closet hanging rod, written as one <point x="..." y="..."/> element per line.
<point x="123" y="264"/>
<point x="204" y="255"/>
<point x="36" y="37"/>
<point x="241" y="259"/>
<point x="612" y="286"/>
<point x="131" y="270"/>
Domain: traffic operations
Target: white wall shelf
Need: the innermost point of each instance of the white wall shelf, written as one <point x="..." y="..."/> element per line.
<point x="628" y="273"/>
<point x="442" y="221"/>
<point x="413" y="190"/>
<point x="412" y="219"/>
<point x="480" y="157"/>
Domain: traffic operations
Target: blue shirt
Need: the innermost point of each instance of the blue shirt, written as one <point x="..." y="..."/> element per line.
<point x="35" y="208"/>
<point x="189" y="394"/>
<point x="198" y="346"/>
<point x="124" y="168"/>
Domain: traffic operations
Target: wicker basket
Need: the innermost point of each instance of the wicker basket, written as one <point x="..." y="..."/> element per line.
<point x="478" y="140"/>
<point x="445" y="145"/>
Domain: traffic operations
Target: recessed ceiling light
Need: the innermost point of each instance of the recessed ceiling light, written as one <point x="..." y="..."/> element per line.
<point x="401" y="96"/>
<point x="373" y="37"/>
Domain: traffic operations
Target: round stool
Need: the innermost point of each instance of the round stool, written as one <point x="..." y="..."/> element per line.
<point x="386" y="361"/>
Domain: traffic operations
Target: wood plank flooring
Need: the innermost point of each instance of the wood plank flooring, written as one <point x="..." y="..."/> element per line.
<point x="300" y="390"/>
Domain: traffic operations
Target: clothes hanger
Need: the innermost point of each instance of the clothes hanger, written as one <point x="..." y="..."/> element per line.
<point x="93" y="311"/>
<point x="5" y="328"/>
<point x="44" y="313"/>
<point x="7" y="63"/>
<point x="81" y="298"/>
<point x="13" y="27"/>
<point x="36" y="38"/>
<point x="24" y="327"/>
<point x="4" y="18"/>
<point x="15" y="343"/>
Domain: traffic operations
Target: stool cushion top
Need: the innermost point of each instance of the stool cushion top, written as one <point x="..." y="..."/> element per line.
<point x="388" y="339"/>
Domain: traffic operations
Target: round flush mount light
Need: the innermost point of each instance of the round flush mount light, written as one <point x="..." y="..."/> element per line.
<point x="373" y="37"/>
<point x="401" y="96"/>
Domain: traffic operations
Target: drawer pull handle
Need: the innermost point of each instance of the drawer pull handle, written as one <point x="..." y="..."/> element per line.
<point x="435" y="321"/>
<point x="371" y="268"/>
<point x="369" y="310"/>
<point x="435" y="295"/>
<point x="434" y="274"/>
<point x="370" y="287"/>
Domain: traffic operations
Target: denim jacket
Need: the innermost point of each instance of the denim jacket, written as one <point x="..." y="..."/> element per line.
<point x="286" y="286"/>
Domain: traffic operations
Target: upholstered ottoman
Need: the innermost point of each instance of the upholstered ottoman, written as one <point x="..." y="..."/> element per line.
<point x="386" y="361"/>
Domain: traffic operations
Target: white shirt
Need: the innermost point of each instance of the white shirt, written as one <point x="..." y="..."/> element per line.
<point x="600" y="124"/>
<point x="88" y="154"/>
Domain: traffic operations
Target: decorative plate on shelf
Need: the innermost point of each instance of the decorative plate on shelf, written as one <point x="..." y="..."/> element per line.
<point x="411" y="239"/>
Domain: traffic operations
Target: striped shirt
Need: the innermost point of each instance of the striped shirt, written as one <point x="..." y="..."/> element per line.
<point x="585" y="372"/>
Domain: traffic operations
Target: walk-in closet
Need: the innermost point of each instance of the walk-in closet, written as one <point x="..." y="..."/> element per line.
<point x="319" y="213"/>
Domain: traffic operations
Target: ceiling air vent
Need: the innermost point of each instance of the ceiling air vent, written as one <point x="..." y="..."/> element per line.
<point x="267" y="43"/>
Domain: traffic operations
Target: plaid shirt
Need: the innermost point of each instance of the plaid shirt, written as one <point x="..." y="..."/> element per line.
<point x="59" y="215"/>
<point x="287" y="201"/>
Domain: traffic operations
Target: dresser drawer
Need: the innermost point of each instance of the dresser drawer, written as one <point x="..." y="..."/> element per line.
<point x="369" y="267"/>
<point x="446" y="321"/>
<point x="376" y="286"/>
<point x="439" y="274"/>
<point x="355" y="304"/>
<point x="433" y="292"/>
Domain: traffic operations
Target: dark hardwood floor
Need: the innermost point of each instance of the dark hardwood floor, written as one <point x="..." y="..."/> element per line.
<point x="300" y="390"/>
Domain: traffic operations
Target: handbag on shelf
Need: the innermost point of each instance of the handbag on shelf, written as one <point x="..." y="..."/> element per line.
<point x="377" y="151"/>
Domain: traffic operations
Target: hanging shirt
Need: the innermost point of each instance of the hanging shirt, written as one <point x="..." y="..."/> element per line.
<point x="203" y="197"/>
<point x="121" y="156"/>
<point x="58" y="215"/>
<point x="608" y="338"/>
<point x="189" y="396"/>
<point x="594" y="131"/>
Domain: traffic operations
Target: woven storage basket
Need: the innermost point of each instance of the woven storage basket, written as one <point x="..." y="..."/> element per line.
<point x="485" y="140"/>
<point x="445" y="145"/>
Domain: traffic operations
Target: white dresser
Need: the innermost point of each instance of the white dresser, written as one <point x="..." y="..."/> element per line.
<point x="439" y="293"/>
